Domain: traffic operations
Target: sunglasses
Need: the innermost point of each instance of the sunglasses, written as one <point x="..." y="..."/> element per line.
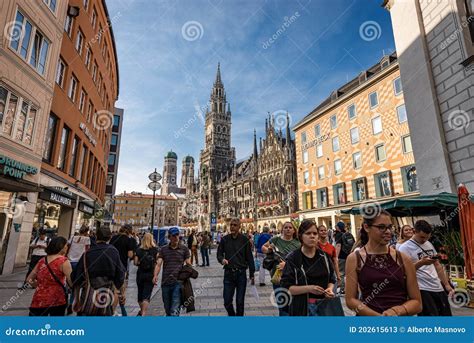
<point x="383" y="228"/>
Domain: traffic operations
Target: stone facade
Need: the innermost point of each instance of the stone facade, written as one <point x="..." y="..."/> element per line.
<point x="434" y="41"/>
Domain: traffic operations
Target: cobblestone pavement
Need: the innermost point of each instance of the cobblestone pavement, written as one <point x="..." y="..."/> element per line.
<point x="208" y="291"/>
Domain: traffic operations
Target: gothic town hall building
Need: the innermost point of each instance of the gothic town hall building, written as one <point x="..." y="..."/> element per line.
<point x="260" y="189"/>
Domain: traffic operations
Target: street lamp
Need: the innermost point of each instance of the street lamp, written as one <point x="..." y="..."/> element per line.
<point x="154" y="185"/>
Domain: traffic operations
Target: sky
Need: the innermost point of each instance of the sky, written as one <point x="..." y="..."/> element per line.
<point x="275" y="55"/>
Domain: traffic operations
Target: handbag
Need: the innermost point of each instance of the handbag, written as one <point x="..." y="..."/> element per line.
<point x="65" y="290"/>
<point x="276" y="278"/>
<point x="95" y="297"/>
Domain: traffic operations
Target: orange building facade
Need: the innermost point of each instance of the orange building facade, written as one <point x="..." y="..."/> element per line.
<point x="355" y="147"/>
<point x="77" y="138"/>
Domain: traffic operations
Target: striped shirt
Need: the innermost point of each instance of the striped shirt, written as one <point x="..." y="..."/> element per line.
<point x="173" y="260"/>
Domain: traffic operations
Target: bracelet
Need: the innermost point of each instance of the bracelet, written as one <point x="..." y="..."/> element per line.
<point x="406" y="310"/>
<point x="396" y="312"/>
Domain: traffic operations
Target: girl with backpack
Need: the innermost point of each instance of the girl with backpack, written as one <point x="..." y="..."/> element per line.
<point x="385" y="277"/>
<point x="145" y="258"/>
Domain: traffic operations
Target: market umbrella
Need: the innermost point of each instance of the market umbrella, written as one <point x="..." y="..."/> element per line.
<point x="466" y="219"/>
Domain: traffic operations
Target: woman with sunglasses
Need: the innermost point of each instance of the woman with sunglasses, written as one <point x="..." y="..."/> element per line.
<point x="386" y="278"/>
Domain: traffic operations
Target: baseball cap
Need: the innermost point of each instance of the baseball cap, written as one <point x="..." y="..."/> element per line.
<point x="341" y="225"/>
<point x="173" y="231"/>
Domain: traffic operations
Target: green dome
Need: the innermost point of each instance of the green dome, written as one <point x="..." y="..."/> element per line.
<point x="189" y="159"/>
<point x="171" y="154"/>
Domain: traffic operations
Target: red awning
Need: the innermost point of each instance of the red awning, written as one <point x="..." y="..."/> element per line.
<point x="466" y="219"/>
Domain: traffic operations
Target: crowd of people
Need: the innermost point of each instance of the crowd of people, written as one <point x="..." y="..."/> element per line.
<point x="311" y="268"/>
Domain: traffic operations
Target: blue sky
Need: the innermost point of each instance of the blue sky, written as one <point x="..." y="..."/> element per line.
<point x="275" y="55"/>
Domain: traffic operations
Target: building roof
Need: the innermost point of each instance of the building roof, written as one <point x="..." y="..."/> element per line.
<point x="361" y="80"/>
<point x="189" y="159"/>
<point x="171" y="154"/>
<point x="144" y="196"/>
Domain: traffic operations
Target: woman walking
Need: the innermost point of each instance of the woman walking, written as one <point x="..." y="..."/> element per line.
<point x="49" y="277"/>
<point x="308" y="275"/>
<point x="386" y="278"/>
<point x="145" y="258"/>
<point x="284" y="244"/>
<point x="406" y="233"/>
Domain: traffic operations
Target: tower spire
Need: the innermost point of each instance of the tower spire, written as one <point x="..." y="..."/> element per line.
<point x="255" y="154"/>
<point x="218" y="74"/>
<point x="288" y="134"/>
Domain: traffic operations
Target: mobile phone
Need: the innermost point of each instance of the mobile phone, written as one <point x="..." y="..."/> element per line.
<point x="436" y="257"/>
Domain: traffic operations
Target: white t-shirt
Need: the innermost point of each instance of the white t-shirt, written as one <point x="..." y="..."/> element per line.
<point x="78" y="247"/>
<point x="43" y="243"/>
<point x="427" y="276"/>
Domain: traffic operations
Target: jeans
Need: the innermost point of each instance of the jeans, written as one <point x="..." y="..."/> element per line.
<point x="261" y="272"/>
<point x="205" y="256"/>
<point x="281" y="295"/>
<point x="235" y="280"/>
<point x="172" y="298"/>
<point x="313" y="310"/>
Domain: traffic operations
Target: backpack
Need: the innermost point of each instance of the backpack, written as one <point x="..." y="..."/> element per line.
<point x="147" y="262"/>
<point x="347" y="242"/>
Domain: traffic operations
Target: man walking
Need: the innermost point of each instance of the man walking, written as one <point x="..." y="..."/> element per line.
<point x="38" y="245"/>
<point x="205" y="245"/>
<point x="429" y="271"/>
<point x="235" y="254"/>
<point x="193" y="247"/>
<point x="344" y="243"/>
<point x="264" y="238"/>
<point x="171" y="257"/>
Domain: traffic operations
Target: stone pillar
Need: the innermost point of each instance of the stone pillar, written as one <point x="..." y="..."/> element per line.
<point x="353" y="225"/>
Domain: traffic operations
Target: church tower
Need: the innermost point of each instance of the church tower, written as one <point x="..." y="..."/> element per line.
<point x="169" y="173"/>
<point x="187" y="174"/>
<point x="218" y="156"/>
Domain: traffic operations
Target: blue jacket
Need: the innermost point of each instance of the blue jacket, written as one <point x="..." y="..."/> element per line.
<point x="264" y="238"/>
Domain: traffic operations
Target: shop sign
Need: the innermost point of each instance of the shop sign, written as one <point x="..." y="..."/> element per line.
<point x="88" y="133"/>
<point x="16" y="169"/>
<point x="86" y="208"/>
<point x="58" y="198"/>
<point x="317" y="141"/>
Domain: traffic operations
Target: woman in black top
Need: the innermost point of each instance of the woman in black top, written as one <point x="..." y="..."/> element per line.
<point x="308" y="275"/>
<point x="145" y="258"/>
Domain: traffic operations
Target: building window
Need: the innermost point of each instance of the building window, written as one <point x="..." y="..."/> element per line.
<point x="63" y="148"/>
<point x="406" y="144"/>
<point x="402" y="113"/>
<point x="39" y="53"/>
<point x="83" y="173"/>
<point x="303" y="137"/>
<point x="81" y="162"/>
<point x="383" y="184"/>
<point x="470" y="17"/>
<point x="306" y="177"/>
<point x="357" y="160"/>
<point x="337" y="167"/>
<point x="50" y="138"/>
<point x="73" y="161"/>
<point x="333" y="121"/>
<point x="317" y="130"/>
<point x="79" y="42"/>
<point x="322" y="195"/>
<point x="339" y="192"/>
<point x="373" y="99"/>
<point x="321" y="172"/>
<point x="319" y="150"/>
<point x="409" y="179"/>
<point x="377" y="125"/>
<point x="69" y="23"/>
<point x="9" y="117"/>
<point x="354" y="135"/>
<point x="82" y="100"/>
<point x="90" y="110"/>
<point x="380" y="153"/>
<point x="359" y="189"/>
<point x="397" y="86"/>
<point x="88" y="58"/>
<point x="86" y="4"/>
<point x="305" y="156"/>
<point x="94" y="18"/>
<point x="111" y="161"/>
<point x="60" y="73"/>
<point x="335" y="144"/>
<point x="51" y="4"/>
<point x="94" y="71"/>
<point x="351" y="111"/>
<point x="307" y="200"/>
<point x="72" y="89"/>
<point x="99" y="34"/>
<point x="114" y="140"/>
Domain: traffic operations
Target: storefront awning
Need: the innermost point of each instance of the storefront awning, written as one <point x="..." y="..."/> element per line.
<point x="13" y="185"/>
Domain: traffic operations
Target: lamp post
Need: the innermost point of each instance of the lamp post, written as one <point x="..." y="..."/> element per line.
<point x="154" y="185"/>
